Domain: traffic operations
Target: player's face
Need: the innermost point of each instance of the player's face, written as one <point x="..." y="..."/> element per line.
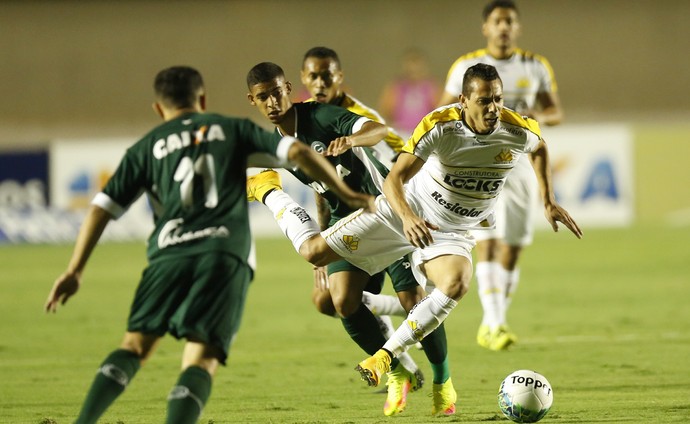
<point x="501" y="28"/>
<point x="272" y="98"/>
<point x="322" y="78"/>
<point x="482" y="108"/>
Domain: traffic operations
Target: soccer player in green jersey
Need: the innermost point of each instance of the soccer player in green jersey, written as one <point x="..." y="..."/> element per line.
<point x="193" y="170"/>
<point x="344" y="137"/>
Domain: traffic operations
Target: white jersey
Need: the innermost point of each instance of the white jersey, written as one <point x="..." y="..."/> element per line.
<point x="524" y="75"/>
<point x="463" y="173"/>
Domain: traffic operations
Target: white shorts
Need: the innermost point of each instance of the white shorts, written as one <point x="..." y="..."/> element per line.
<point x="515" y="207"/>
<point x="372" y="241"/>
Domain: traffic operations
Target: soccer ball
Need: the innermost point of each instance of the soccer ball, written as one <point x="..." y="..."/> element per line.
<point x="525" y="396"/>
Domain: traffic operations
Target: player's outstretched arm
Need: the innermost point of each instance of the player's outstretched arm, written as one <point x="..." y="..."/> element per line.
<point x="553" y="211"/>
<point x="67" y="284"/>
<point x="320" y="169"/>
<point x="370" y="134"/>
<point x="415" y="228"/>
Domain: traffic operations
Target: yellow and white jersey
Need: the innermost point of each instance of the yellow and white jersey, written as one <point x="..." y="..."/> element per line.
<point x="393" y="142"/>
<point x="524" y="75"/>
<point x="464" y="172"/>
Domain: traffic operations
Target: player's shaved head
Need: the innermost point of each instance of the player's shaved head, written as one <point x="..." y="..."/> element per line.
<point x="264" y="72"/>
<point x="322" y="53"/>
<point x="179" y="86"/>
<point x="480" y="71"/>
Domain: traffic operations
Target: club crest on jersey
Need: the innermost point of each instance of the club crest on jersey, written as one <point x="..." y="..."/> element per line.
<point x="318" y="146"/>
<point x="504" y="157"/>
<point x="351" y="243"/>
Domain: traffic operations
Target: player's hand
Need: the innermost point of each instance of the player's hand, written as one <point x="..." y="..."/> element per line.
<point x="417" y="231"/>
<point x="555" y="213"/>
<point x="338" y="146"/>
<point x="320" y="278"/>
<point x="64" y="287"/>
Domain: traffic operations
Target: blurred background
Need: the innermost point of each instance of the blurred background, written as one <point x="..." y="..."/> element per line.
<point x="76" y="82"/>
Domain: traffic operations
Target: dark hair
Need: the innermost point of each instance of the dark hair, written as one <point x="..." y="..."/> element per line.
<point x="263" y="72"/>
<point x="322" y="53"/>
<point x="503" y="4"/>
<point x="178" y="86"/>
<point x="480" y="71"/>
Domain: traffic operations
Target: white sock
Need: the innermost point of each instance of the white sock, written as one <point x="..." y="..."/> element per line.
<point x="491" y="293"/>
<point x="292" y="218"/>
<point x="511" y="286"/>
<point x="387" y="329"/>
<point x="424" y="318"/>
<point x="382" y="304"/>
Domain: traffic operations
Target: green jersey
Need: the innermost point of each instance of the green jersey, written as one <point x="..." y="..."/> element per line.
<point x="317" y="125"/>
<point x="193" y="170"/>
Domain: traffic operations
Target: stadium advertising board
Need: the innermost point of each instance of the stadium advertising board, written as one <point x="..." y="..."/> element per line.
<point x="592" y="168"/>
<point x="80" y="168"/>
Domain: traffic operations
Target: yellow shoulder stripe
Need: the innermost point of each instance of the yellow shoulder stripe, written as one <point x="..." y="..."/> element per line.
<point x="466" y="56"/>
<point x="428" y="122"/>
<point x="511" y="117"/>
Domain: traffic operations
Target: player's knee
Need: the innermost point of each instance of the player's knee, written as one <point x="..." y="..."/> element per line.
<point x="316" y="251"/>
<point x="456" y="287"/>
<point x="323" y="303"/>
<point x="346" y="305"/>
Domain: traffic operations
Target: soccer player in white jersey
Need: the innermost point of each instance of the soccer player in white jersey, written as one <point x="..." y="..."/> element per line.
<point x="445" y="182"/>
<point x="530" y="89"/>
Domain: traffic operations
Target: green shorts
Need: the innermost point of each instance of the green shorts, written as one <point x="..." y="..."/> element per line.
<point x="401" y="275"/>
<point x="399" y="272"/>
<point x="199" y="298"/>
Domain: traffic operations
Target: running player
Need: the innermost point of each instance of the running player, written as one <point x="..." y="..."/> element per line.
<point x="344" y="137"/>
<point x="192" y="168"/>
<point x="444" y="184"/>
<point x="529" y="89"/>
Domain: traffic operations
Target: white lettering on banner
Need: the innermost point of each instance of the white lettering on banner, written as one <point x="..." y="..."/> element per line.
<point x="171" y="233"/>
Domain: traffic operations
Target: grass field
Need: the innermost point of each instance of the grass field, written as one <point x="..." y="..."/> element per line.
<point x="605" y="319"/>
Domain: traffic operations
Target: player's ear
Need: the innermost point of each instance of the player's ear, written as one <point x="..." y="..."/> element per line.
<point x="251" y="99"/>
<point x="288" y="87"/>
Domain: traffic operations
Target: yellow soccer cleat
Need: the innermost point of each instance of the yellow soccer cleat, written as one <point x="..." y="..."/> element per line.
<point x="259" y="185"/>
<point x="484" y="336"/>
<point x="445" y="397"/>
<point x="372" y="368"/>
<point x="502" y="338"/>
<point x="399" y="385"/>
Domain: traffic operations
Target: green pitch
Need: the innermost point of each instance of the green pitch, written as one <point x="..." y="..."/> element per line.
<point x="605" y="319"/>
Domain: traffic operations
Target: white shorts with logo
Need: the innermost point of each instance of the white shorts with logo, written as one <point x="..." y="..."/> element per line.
<point x="515" y="207"/>
<point x="372" y="241"/>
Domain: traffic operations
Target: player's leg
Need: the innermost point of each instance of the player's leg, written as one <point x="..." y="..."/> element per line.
<point x="193" y="387"/>
<point x="295" y="222"/>
<point x="451" y="275"/>
<point x="519" y="196"/>
<point x="115" y="373"/>
<point x="207" y="317"/>
<point x="490" y="287"/>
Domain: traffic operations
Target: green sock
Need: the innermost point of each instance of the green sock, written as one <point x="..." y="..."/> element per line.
<point x="436" y="349"/>
<point x="188" y="397"/>
<point x="365" y="331"/>
<point x="116" y="371"/>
